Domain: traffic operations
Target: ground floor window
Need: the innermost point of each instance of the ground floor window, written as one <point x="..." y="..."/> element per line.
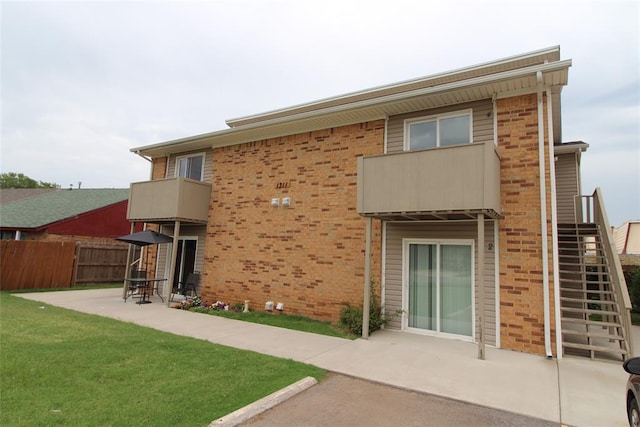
<point x="439" y="286"/>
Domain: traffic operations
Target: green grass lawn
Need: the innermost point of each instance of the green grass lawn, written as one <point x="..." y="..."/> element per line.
<point x="281" y="320"/>
<point x="60" y="367"/>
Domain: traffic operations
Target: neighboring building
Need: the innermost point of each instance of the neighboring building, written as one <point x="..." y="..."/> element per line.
<point x="456" y="185"/>
<point x="8" y="195"/>
<point x="88" y="215"/>
<point x="627" y="238"/>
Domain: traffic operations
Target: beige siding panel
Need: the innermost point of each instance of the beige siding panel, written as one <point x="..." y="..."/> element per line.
<point x="620" y="237"/>
<point x="567" y="186"/>
<point x="208" y="164"/>
<point x="633" y="239"/>
<point x="482" y="123"/>
<point x="396" y="231"/>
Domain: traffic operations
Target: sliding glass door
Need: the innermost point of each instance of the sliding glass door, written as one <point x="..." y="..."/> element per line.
<point x="439" y="287"/>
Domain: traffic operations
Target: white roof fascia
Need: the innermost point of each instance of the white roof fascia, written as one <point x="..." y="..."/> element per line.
<point x="570" y="147"/>
<point x="552" y="49"/>
<point x="553" y="66"/>
<point x="477" y="81"/>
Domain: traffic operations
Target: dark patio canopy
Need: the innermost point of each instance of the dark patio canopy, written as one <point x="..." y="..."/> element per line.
<point x="145" y="238"/>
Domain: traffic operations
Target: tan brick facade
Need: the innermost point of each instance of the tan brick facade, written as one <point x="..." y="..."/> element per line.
<point x="521" y="267"/>
<point x="159" y="168"/>
<point x="309" y="256"/>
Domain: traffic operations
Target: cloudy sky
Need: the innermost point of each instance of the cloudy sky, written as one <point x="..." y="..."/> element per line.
<point x="83" y="82"/>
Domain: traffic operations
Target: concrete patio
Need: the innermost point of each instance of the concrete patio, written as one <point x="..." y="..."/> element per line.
<point x="571" y="391"/>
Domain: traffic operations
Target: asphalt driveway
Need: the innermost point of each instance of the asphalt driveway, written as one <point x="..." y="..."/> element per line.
<point x="345" y="401"/>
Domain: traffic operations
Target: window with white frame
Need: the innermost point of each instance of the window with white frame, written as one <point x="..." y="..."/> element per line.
<point x="190" y="166"/>
<point x="438" y="131"/>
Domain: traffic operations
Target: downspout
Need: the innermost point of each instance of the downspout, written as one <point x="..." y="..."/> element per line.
<point x="543" y="221"/>
<point x="366" y="303"/>
<point x="554" y="229"/>
<point x="384" y="136"/>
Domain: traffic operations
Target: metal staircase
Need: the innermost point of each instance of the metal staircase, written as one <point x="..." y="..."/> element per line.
<point x="592" y="315"/>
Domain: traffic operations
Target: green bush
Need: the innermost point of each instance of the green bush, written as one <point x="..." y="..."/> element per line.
<point x="351" y="316"/>
<point x="632" y="278"/>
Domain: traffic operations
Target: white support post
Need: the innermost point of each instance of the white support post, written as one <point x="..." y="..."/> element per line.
<point x="481" y="286"/>
<point x="367" y="281"/>
<point x="174" y="257"/>
<point x="127" y="269"/>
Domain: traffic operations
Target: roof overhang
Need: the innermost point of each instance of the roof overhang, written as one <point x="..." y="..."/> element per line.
<point x="571" y="147"/>
<point x="451" y="215"/>
<point x="474" y="83"/>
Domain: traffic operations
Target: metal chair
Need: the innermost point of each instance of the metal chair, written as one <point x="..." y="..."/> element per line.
<point x="189" y="285"/>
<point x="133" y="287"/>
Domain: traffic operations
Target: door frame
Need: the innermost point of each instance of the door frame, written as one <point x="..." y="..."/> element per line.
<point x="180" y="255"/>
<point x="406" y="242"/>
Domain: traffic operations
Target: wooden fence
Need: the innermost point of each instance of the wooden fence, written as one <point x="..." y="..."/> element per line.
<point x="100" y="263"/>
<point x="45" y="265"/>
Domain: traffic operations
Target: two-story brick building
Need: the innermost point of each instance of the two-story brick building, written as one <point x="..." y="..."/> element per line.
<point x="453" y="193"/>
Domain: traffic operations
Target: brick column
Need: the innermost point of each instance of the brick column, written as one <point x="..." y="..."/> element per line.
<point x="521" y="276"/>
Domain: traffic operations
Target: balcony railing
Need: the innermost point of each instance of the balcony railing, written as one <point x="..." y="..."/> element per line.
<point x="174" y="199"/>
<point x="464" y="178"/>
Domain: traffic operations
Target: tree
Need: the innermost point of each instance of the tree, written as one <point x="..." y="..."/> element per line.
<point x="18" y="180"/>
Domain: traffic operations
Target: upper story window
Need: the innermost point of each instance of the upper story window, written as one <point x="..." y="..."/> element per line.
<point x="190" y="166"/>
<point x="438" y="131"/>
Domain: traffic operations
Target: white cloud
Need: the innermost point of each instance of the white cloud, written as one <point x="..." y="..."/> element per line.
<point x="82" y="82"/>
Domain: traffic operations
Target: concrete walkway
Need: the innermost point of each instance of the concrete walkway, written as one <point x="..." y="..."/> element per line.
<point x="571" y="391"/>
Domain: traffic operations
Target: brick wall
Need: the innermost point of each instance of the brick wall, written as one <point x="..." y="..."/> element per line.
<point x="309" y="256"/>
<point x="521" y="277"/>
<point x="159" y="168"/>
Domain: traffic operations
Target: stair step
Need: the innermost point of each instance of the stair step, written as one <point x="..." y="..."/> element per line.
<point x="589" y="311"/>
<point x="572" y="280"/>
<point x="604" y="281"/>
<point x="587" y="264"/>
<point x="589" y="258"/>
<point x="569" y="276"/>
<point x="567" y="235"/>
<point x="587" y="301"/>
<point x="584" y="291"/>
<point x="577" y="227"/>
<point x="616" y="350"/>
<point x="580" y="257"/>
<point x="590" y="322"/>
<point x="593" y="286"/>
<point x="593" y="335"/>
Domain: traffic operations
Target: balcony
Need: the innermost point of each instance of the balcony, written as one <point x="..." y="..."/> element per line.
<point x="167" y="200"/>
<point x="443" y="183"/>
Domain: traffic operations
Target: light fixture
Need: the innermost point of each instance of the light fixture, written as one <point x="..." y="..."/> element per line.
<point x="275" y="202"/>
<point x="286" y="201"/>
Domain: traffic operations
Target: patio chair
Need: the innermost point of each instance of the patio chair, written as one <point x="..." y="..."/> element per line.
<point x="187" y="288"/>
<point x="133" y="287"/>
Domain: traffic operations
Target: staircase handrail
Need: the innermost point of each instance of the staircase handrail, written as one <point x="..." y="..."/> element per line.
<point x="615" y="268"/>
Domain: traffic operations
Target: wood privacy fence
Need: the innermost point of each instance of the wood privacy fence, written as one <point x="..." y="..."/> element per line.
<point x="44" y="265"/>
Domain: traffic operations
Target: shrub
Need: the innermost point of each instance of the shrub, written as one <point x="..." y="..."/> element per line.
<point x="632" y="278"/>
<point x="351" y="316"/>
